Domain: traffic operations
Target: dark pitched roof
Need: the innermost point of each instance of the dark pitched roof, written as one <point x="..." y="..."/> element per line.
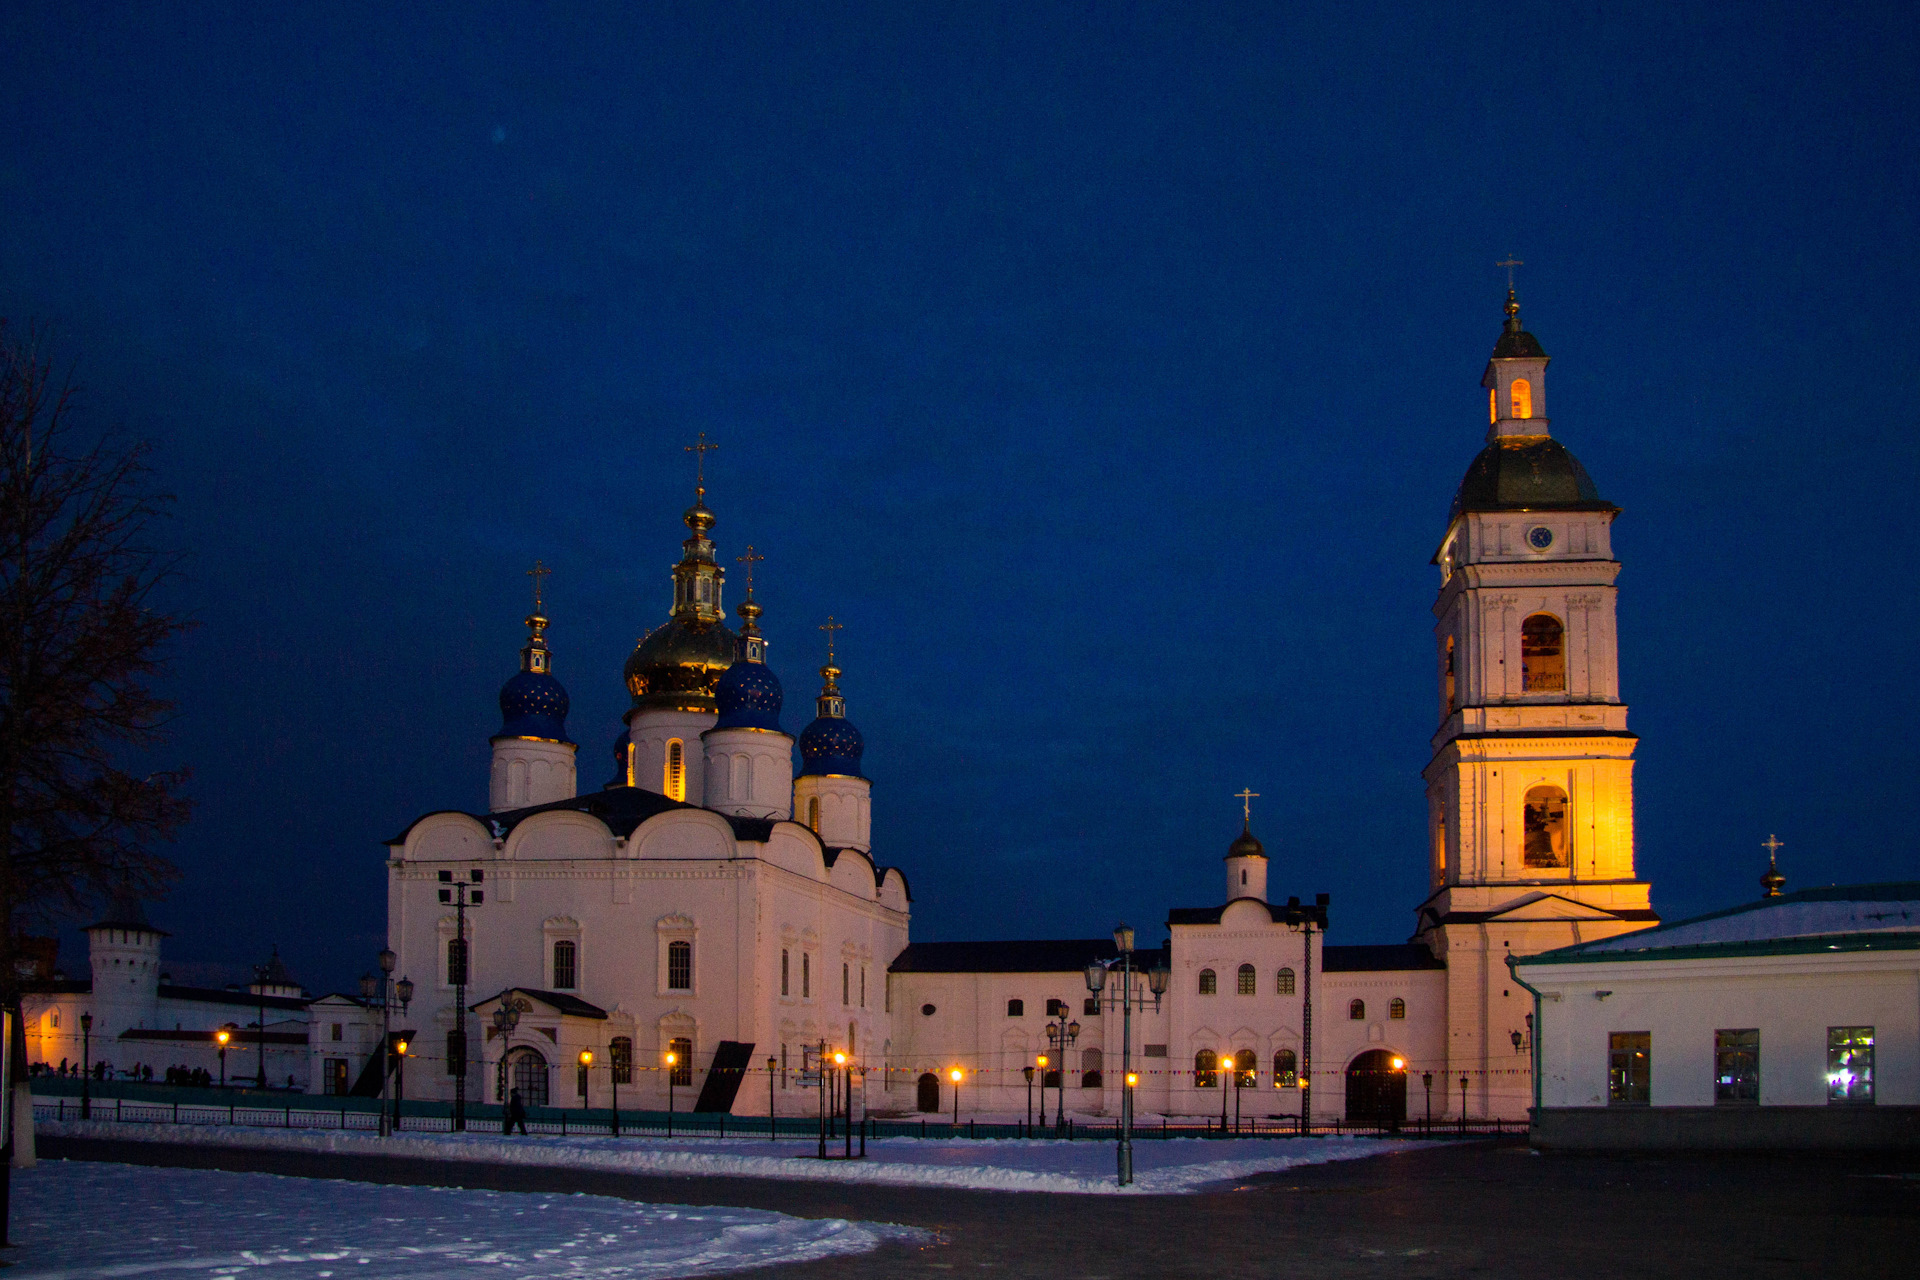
<point x="1392" y="956"/>
<point x="242" y="999"/>
<point x="1526" y="473"/>
<point x="126" y="911"/>
<point x="622" y="809"/>
<point x="1024" y="955"/>
<point x="568" y="1006"/>
<point x="1818" y="944"/>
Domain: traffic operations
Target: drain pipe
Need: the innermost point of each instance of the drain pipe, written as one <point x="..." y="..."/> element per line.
<point x="1534" y="1047"/>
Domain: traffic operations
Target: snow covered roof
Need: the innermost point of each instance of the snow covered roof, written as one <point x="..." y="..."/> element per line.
<point x="1836" y="917"/>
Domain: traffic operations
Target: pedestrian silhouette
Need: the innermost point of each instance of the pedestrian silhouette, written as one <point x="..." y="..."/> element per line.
<point x="516" y="1115"/>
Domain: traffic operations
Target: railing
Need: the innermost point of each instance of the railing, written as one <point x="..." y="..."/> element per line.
<point x="432" y="1118"/>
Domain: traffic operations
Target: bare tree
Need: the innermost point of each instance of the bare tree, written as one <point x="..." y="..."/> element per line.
<point x="81" y="640"/>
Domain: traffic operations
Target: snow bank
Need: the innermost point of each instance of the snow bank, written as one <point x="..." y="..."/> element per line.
<point x="80" y="1220"/>
<point x="1161" y="1165"/>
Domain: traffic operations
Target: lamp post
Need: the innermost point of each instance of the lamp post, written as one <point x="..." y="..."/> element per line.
<point x="1029" y="1074"/>
<point x="387" y="989"/>
<point x="672" y="1058"/>
<point x="1042" y="1060"/>
<point x="1226" y="1068"/>
<point x="586" y="1065"/>
<point x="1463" y="1104"/>
<point x="86" y="1066"/>
<point x="457" y="1048"/>
<point x="1061" y="1034"/>
<point x="399" y="1078"/>
<point x="773" y="1128"/>
<point x="506" y="1016"/>
<point x="220" y="1038"/>
<point x="1239" y="1082"/>
<point x="1426" y="1079"/>
<point x="1157" y="979"/>
<point x="956" y="1075"/>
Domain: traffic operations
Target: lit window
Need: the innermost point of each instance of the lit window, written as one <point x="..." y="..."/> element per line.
<point x="680" y="966"/>
<point x="1283" y="983"/>
<point x="813" y="814"/>
<point x="1543" y="660"/>
<point x="1357" y="1010"/>
<point x="1849" y="1064"/>
<point x="1493" y="404"/>
<point x="565" y="966"/>
<point x="1396" y="1008"/>
<point x="682" y="1050"/>
<point x="1736" y="1066"/>
<point x="675" y="785"/>
<point x="1629" y="1068"/>
<point x="1286" y="1069"/>
<point x="1247" y="982"/>
<point x="1522" y="398"/>
<point x="1206" y="1069"/>
<point x="1246" y="1068"/>
<point x="1545" y="827"/>
<point x="1453" y="703"/>
<point x="1016" y="1008"/>
<point x="1208" y="984"/>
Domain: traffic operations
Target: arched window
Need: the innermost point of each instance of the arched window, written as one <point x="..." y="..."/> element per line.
<point x="1543" y="661"/>
<point x="1522" y="392"/>
<point x="927" y="1092"/>
<point x="1246" y="1068"/>
<point x="1357" y="1010"/>
<point x="1283" y="984"/>
<point x="1206" y="1069"/>
<point x="682" y="1050"/>
<point x="620" y="1050"/>
<point x="456" y="962"/>
<point x="1453" y="700"/>
<point x="1208" y="983"/>
<point x="813" y="814"/>
<point x="674" y="785"/>
<point x="1286" y="1069"/>
<point x="846" y="984"/>
<point x="1396" y="1008"/>
<point x="680" y="965"/>
<point x="1545" y="826"/>
<point x="1248" y="982"/>
<point x="1016" y="1008"/>
<point x="1493" y="404"/>
<point x="1091" y="1063"/>
<point x="566" y="965"/>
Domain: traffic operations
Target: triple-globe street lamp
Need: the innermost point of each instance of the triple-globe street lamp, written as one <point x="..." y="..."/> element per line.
<point x="1158" y="979"/>
<point x="385" y="990"/>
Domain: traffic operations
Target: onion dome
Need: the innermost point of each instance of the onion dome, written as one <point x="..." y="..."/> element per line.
<point x="831" y="745"/>
<point x="622" y="745"/>
<point x="676" y="665"/>
<point x="533" y="704"/>
<point x="1246" y="846"/>
<point x="748" y="693"/>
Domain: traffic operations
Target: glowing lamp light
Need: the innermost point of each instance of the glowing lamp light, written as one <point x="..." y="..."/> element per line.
<point x="400" y="1047"/>
<point x="222" y="1035"/>
<point x="839" y="1059"/>
<point x="586" y="1057"/>
<point x="672" y="1058"/>
<point x="1226" y="1064"/>
<point x="956" y="1075"/>
<point x="1133" y="1078"/>
<point x="1399" y="1064"/>
<point x="1042" y="1060"/>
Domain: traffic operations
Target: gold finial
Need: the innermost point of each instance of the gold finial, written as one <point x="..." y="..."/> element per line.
<point x="1246" y="799"/>
<point x="1510" y="263"/>
<point x="535" y="657"/>
<point x="538" y="572"/>
<point x="699" y="452"/>
<point x="1771" y="881"/>
<point x="750" y="559"/>
<point x="831" y="672"/>
<point x="1513" y="299"/>
<point x="830" y="626"/>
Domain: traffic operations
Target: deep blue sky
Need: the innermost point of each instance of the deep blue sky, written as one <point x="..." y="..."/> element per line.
<point x="1106" y="369"/>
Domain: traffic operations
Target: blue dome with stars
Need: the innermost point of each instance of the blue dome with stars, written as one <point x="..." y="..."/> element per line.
<point x="831" y="745"/>
<point x="750" y="697"/>
<point x="533" y="705"/>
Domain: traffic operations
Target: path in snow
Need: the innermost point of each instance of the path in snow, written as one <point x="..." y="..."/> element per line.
<point x="80" y="1221"/>
<point x="1161" y="1165"/>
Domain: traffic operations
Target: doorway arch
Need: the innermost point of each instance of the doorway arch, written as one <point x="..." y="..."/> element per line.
<point x="527" y="1072"/>
<point x="1376" y="1090"/>
<point x="929" y="1096"/>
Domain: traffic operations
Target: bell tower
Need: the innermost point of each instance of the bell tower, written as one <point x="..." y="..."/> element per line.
<point x="1530" y="789"/>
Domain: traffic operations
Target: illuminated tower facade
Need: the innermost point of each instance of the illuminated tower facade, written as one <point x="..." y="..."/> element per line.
<point x="1530" y="789"/>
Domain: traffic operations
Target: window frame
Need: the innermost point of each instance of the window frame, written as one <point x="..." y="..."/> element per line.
<point x="1208" y="983"/>
<point x="680" y="965"/>
<point x="1858" y="1089"/>
<point x="1286" y="982"/>
<point x="570" y="949"/>
<point x="1246" y="981"/>
<point x="1356" y="1010"/>
<point x="1397" y="1009"/>
<point x="1016" y="1007"/>
<point x="1206" y="1069"/>
<point x="1736" y="1067"/>
<point x="1627" y="1087"/>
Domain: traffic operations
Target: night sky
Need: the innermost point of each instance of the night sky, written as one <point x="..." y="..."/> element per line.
<point x="1106" y="369"/>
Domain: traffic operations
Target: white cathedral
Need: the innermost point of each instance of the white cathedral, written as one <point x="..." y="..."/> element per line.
<point x="711" y="904"/>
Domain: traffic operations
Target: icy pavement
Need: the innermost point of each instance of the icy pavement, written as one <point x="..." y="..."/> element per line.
<point x="78" y="1220"/>
<point x="1161" y="1165"/>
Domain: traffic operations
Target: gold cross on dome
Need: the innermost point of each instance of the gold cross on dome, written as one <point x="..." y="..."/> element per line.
<point x="1773" y="845"/>
<point x="1246" y="799"/>
<point x="538" y="572"/>
<point x="830" y="626"/>
<point x="1510" y="263"/>
<point x="749" y="560"/>
<point x="699" y="452"/>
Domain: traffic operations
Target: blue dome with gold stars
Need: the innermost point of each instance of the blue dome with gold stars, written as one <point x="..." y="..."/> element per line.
<point x="533" y="705"/>
<point x="831" y="745"/>
<point x="750" y="697"/>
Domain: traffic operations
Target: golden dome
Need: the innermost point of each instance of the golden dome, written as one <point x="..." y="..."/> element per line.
<point x="676" y="664"/>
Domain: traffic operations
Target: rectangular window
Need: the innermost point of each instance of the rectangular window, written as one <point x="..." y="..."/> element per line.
<point x="806" y="975"/>
<point x="456" y="1053"/>
<point x="1629" y="1068"/>
<point x="682" y="1050"/>
<point x="1736" y="1067"/>
<point x="785" y="978"/>
<point x="846" y="985"/>
<point x="565" y="965"/>
<point x="863" y="986"/>
<point x="1090" y="1007"/>
<point x="336" y="1031"/>
<point x="622" y="1054"/>
<point x="1849" y="1064"/>
<point x="680" y="966"/>
<point x="1056" y="1008"/>
<point x="336" y="1077"/>
<point x="456" y="962"/>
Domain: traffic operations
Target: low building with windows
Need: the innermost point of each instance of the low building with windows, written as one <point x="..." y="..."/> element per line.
<point x="1791" y="1022"/>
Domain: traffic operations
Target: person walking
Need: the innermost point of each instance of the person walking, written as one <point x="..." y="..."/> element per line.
<point x="516" y="1114"/>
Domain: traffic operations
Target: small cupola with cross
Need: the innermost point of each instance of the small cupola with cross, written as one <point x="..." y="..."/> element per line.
<point x="1516" y="376"/>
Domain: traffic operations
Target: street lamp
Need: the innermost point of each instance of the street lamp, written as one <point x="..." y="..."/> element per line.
<point x="1029" y="1074"/>
<point x="1426" y="1079"/>
<point x="956" y="1075"/>
<point x="773" y="1127"/>
<point x="672" y="1058"/>
<point x="1226" y="1067"/>
<point x="586" y="1065"/>
<point x="1061" y="1034"/>
<point x="86" y="1066"/>
<point x="221" y="1037"/>
<point x="506" y="1016"/>
<point x="1463" y="1104"/>
<point x="1157" y="980"/>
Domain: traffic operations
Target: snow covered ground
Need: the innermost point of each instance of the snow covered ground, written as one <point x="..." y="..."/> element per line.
<point x="79" y="1220"/>
<point x="1161" y="1165"/>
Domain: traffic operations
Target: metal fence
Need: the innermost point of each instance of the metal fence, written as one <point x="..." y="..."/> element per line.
<point x="655" y="1124"/>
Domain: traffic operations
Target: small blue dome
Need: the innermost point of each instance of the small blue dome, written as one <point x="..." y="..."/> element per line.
<point x="533" y="705"/>
<point x="830" y="745"/>
<point x="750" y="697"/>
